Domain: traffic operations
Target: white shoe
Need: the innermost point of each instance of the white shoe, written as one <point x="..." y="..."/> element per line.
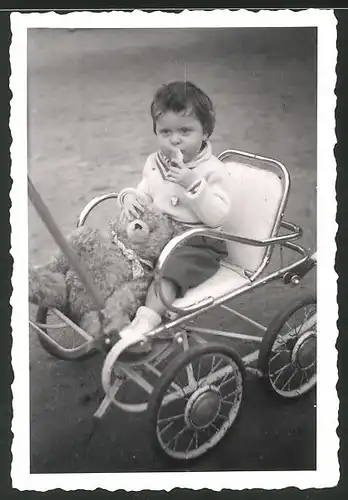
<point x="144" y="321"/>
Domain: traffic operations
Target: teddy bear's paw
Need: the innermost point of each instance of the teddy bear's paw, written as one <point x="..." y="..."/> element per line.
<point x="91" y="323"/>
<point x="115" y="324"/>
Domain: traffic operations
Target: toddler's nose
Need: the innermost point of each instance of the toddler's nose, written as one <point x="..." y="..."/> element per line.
<point x="175" y="140"/>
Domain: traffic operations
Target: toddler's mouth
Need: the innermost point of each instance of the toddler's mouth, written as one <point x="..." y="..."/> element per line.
<point x="176" y="155"/>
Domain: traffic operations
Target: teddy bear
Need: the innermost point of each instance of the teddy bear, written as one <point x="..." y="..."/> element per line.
<point x="120" y="262"/>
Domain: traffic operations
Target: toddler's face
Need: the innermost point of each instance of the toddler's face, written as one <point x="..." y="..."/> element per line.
<point x="180" y="130"/>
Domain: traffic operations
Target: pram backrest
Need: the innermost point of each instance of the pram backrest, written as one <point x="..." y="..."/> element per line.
<point x="259" y="189"/>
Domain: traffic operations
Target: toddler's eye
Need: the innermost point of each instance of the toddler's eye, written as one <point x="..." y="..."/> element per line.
<point x="165" y="132"/>
<point x="185" y="130"/>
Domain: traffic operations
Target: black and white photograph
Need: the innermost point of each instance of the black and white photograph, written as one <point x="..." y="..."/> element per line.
<point x="174" y="177"/>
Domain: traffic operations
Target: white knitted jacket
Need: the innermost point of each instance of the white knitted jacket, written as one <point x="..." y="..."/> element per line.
<point x="206" y="203"/>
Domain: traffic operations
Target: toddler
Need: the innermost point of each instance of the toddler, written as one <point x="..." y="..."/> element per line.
<point x="184" y="180"/>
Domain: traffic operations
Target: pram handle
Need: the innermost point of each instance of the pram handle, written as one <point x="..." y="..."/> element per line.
<point x="296" y="232"/>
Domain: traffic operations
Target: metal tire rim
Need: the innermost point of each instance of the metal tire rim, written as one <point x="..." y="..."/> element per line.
<point x="299" y="336"/>
<point x="212" y="433"/>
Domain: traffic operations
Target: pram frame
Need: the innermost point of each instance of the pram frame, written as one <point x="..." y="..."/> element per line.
<point x="184" y="315"/>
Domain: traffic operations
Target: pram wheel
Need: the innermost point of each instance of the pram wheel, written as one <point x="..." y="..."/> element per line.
<point x="71" y="346"/>
<point x="196" y="400"/>
<point x="287" y="356"/>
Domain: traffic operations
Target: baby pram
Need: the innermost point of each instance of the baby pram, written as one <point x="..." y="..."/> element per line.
<point x="192" y="383"/>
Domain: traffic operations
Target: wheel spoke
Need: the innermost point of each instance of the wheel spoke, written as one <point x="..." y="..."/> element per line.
<point x="199" y="370"/>
<point x="229" y="394"/>
<point x="196" y="439"/>
<point x="217" y="365"/>
<point x="181" y="389"/>
<point x="213" y="369"/>
<point x="301" y="326"/>
<point x="280" y="371"/>
<point x="277" y="372"/>
<point x="304" y="370"/>
<point x="290" y="378"/>
<point x="298" y="332"/>
<point x="303" y="376"/>
<point x="277" y="354"/>
<point x="289" y="327"/>
<point x="306" y="313"/>
<point x="226" y="381"/>
<point x="223" y="380"/>
<point x="214" y="426"/>
<point x="191" y="441"/>
<point x="161" y="431"/>
<point x="191" y="381"/>
<point x="175" y="438"/>
<point x="171" y="418"/>
<point x="307" y="318"/>
<point x="226" y="401"/>
<point x="311" y="365"/>
<point x="214" y="366"/>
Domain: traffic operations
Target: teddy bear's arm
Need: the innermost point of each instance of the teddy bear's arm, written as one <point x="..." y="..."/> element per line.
<point x="46" y="288"/>
<point x="120" y="308"/>
<point x="122" y="305"/>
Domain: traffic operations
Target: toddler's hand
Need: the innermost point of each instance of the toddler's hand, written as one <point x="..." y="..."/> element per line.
<point x="132" y="206"/>
<point x="178" y="172"/>
<point x="177" y="158"/>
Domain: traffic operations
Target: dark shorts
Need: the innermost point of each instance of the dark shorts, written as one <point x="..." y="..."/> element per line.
<point x="194" y="262"/>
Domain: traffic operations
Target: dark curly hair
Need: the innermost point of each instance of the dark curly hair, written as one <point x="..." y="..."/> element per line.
<point x="184" y="96"/>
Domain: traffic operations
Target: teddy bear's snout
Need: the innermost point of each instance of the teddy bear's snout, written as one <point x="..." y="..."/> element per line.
<point x="137" y="231"/>
<point x="138" y="225"/>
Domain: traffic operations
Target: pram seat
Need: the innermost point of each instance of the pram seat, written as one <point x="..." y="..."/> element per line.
<point x="224" y="281"/>
<point x="258" y="189"/>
